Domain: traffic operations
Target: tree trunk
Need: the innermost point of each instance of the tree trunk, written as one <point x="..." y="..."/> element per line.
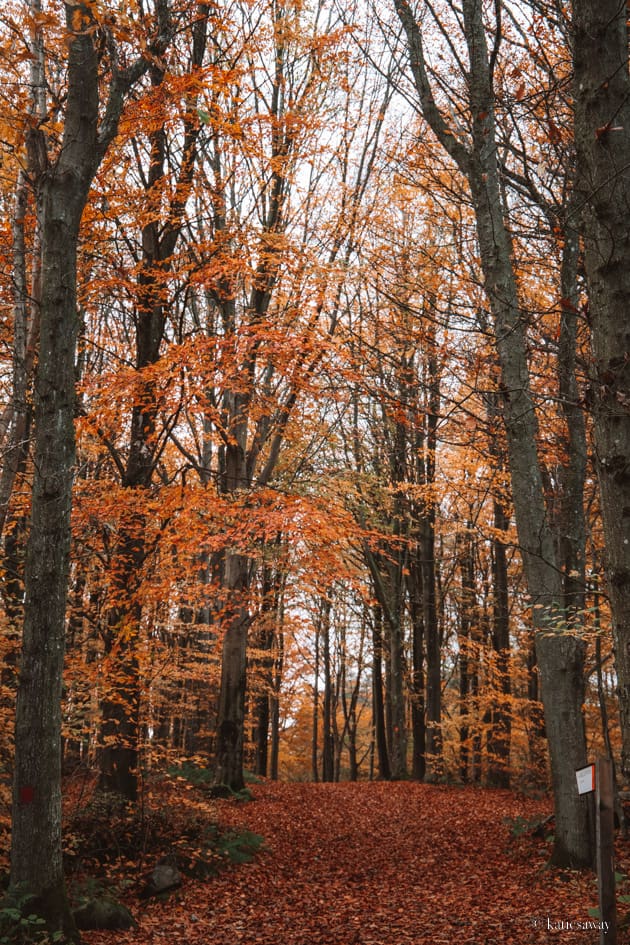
<point x="571" y="527"/>
<point x="15" y="423"/>
<point x="120" y="706"/>
<point x="378" y="701"/>
<point x="263" y="706"/>
<point x="398" y="743"/>
<point x="36" y="861"/>
<point x="559" y="654"/>
<point x="602" y="136"/>
<point x="468" y="655"/>
<point x="387" y="581"/>
<point x="500" y="733"/>
<point x="328" y="742"/>
<point x="270" y="620"/>
<point x="62" y="189"/>
<point x="36" y="857"/>
<point x="278" y="668"/>
<point x="315" y="729"/>
<point x="231" y="714"/>
<point x="417" y="693"/>
<point x="433" y="651"/>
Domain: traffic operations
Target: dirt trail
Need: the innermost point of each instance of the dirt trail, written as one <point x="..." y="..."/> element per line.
<point x="380" y="864"/>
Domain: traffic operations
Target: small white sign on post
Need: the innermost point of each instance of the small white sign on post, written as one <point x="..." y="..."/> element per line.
<point x="585" y="779"/>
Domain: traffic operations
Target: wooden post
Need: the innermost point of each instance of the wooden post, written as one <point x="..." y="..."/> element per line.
<point x="604" y="818"/>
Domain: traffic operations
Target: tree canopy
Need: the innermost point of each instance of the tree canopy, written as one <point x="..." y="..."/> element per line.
<point x="314" y="407"/>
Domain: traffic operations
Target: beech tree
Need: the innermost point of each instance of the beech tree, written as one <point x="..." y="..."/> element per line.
<point x="160" y="233"/>
<point x="61" y="171"/>
<point x="602" y="137"/>
<point x="474" y="151"/>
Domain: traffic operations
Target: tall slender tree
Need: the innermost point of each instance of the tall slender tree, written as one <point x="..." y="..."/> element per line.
<point x="602" y="137"/>
<point x="61" y="177"/>
<point x="159" y="238"/>
<point x="475" y="153"/>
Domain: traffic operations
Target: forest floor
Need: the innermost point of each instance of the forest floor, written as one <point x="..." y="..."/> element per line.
<point x="378" y="864"/>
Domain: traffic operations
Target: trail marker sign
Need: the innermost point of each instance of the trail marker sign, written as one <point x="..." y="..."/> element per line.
<point x="585" y="779"/>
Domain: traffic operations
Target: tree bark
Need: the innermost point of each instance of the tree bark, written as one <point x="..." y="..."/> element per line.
<point x="396" y="694"/>
<point x="602" y="137"/>
<point x="328" y="742"/>
<point x="231" y="713"/>
<point x="315" y="729"/>
<point x="62" y="189"/>
<point x="36" y="846"/>
<point x="36" y="861"/>
<point x="378" y="701"/>
<point x="556" y="649"/>
<point x="417" y="687"/>
<point x="15" y="422"/>
<point x="278" y="668"/>
<point x="501" y="730"/>
<point x="468" y="652"/>
<point x="433" y="755"/>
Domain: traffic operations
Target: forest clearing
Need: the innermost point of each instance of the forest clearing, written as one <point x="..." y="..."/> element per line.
<point x="375" y="863"/>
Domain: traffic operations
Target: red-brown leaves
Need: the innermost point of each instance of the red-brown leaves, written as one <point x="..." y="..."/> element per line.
<point x="378" y="864"/>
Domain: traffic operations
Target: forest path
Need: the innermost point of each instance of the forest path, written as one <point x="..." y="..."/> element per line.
<point x="381" y="864"/>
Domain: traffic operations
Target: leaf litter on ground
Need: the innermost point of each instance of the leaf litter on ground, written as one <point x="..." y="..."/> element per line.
<point x="376" y="863"/>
